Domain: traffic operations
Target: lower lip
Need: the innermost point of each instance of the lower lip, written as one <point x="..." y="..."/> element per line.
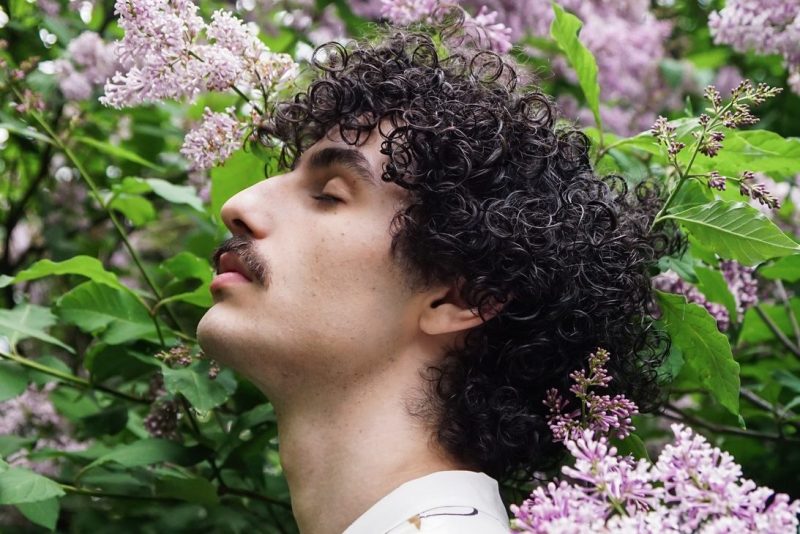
<point x="226" y="279"/>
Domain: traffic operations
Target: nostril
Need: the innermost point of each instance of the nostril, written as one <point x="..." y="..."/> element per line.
<point x="238" y="223"/>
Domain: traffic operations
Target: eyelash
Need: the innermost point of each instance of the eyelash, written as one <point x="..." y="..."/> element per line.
<point x="327" y="199"/>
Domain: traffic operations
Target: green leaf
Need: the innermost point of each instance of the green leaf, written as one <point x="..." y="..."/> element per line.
<point x="193" y="383"/>
<point x="736" y="231"/>
<point x="44" y="513"/>
<point x="705" y="349"/>
<point x="190" y="489"/>
<point x="147" y="452"/>
<point x="29" y="321"/>
<point x="786" y="269"/>
<point x="81" y="265"/>
<point x="98" y="309"/>
<point x="712" y="284"/>
<point x="186" y="265"/>
<point x="564" y="30"/>
<point x="11" y="444"/>
<point x="633" y="445"/>
<point x="118" y="152"/>
<point x="239" y="172"/>
<point x="177" y="194"/>
<point x="787" y="379"/>
<point x="13" y="380"/>
<point x="19" y="485"/>
<point x="137" y="209"/>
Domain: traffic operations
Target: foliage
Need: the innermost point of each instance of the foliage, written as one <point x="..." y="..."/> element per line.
<point x="108" y="410"/>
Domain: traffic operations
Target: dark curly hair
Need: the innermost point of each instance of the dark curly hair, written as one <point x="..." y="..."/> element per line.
<point x="506" y="201"/>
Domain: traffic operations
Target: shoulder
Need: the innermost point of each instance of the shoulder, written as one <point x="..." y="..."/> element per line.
<point x="452" y="520"/>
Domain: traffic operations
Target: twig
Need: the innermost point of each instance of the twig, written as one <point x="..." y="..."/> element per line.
<point x="71" y="379"/>
<point x="677" y="414"/>
<point x="254" y="495"/>
<point x="789" y="311"/>
<point x="777" y="331"/>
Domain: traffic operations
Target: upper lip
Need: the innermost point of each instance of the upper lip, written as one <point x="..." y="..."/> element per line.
<point x="230" y="262"/>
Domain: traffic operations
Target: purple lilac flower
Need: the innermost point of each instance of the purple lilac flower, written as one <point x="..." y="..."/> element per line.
<point x="32" y="415"/>
<point x="692" y="487"/>
<point x="601" y="413"/>
<point x="89" y="62"/>
<point x="165" y="56"/>
<point x="742" y="284"/>
<point x="670" y="282"/>
<point x="766" y="27"/>
<point x="492" y="34"/>
<point x="217" y="137"/>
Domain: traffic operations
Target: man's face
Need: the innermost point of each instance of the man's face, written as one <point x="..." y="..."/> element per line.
<point x="331" y="305"/>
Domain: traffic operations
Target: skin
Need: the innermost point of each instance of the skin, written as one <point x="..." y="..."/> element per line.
<point x="333" y="335"/>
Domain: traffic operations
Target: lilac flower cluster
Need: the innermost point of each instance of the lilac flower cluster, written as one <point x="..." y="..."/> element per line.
<point x="217" y="137"/>
<point x="766" y="27"/>
<point x="670" y="282"/>
<point x="483" y="26"/>
<point x="89" y="62"/>
<point x="742" y="284"/>
<point x="165" y="56"/>
<point x="692" y="487"/>
<point x="628" y="44"/>
<point x="602" y="413"/>
<point x="32" y="415"/>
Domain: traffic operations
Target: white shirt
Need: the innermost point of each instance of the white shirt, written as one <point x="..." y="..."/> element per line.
<point x="445" y="502"/>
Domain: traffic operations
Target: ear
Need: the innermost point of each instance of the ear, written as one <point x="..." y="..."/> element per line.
<point x="446" y="312"/>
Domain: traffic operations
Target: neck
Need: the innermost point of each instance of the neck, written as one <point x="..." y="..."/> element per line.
<point x="342" y="452"/>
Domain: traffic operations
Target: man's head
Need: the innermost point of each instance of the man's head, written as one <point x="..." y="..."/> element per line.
<point x="472" y="241"/>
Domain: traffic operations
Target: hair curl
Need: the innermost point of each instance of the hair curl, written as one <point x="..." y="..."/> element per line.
<point x="507" y="202"/>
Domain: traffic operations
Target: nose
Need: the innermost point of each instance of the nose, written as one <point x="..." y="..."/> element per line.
<point x="243" y="213"/>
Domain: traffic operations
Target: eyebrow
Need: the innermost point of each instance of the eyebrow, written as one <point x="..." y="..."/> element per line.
<point x="346" y="157"/>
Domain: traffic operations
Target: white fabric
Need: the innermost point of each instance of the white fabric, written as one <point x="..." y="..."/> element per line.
<point x="445" y="502"/>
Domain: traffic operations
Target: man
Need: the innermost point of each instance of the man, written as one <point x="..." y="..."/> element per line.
<point x="437" y="257"/>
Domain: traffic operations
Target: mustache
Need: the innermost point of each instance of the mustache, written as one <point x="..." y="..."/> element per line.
<point x="242" y="246"/>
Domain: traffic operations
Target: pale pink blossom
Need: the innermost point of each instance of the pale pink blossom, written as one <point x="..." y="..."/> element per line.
<point x="217" y="137"/>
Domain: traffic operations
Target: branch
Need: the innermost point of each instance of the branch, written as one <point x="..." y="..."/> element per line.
<point x="676" y="414"/>
<point x="70" y="379"/>
<point x="777" y="331"/>
<point x="789" y="311"/>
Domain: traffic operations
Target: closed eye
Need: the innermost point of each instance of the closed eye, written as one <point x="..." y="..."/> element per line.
<point x="326" y="198"/>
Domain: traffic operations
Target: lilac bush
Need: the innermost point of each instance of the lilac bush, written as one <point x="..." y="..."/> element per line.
<point x="691" y="488"/>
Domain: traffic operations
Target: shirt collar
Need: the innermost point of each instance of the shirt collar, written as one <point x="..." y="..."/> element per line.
<point x="442" y="488"/>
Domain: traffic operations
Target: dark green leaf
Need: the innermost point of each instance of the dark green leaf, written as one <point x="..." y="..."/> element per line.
<point x="736" y="231"/>
<point x="118" y="152"/>
<point x="29" y="321"/>
<point x="193" y="383"/>
<point x="190" y="489"/>
<point x="786" y="269"/>
<point x="705" y="349"/>
<point x="80" y="265"/>
<point x="13" y="380"/>
<point x="97" y="309"/>
<point x="147" y="452"/>
<point x="44" y="513"/>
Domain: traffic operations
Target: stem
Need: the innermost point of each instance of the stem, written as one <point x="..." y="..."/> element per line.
<point x="246" y="99"/>
<point x="789" y="311"/>
<point x="677" y="414"/>
<point x="777" y="331"/>
<point x="254" y="495"/>
<point x="69" y="378"/>
<point x="92" y="493"/>
<point x="96" y="193"/>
